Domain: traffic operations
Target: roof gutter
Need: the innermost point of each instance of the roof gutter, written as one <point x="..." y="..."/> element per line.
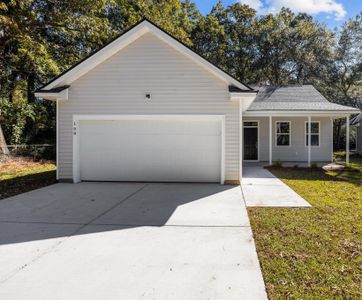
<point x="300" y="113"/>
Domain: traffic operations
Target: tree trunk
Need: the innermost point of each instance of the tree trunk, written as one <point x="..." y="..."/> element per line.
<point x="31" y="88"/>
<point x="3" y="145"/>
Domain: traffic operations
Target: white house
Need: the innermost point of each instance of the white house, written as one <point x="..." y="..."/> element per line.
<point x="147" y="108"/>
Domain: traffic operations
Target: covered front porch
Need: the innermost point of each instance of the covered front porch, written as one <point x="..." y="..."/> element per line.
<point x="290" y="138"/>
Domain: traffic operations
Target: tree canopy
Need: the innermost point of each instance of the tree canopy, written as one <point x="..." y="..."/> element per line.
<point x="41" y="38"/>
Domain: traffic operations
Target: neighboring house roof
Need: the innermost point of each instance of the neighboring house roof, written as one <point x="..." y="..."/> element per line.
<point x="356" y="120"/>
<point x="294" y="98"/>
<point x="123" y="40"/>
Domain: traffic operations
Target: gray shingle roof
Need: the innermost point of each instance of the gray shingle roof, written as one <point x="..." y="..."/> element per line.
<point x="293" y="98"/>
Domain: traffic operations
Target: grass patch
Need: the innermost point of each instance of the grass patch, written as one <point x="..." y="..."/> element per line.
<point x="353" y="171"/>
<point x="19" y="176"/>
<point x="313" y="253"/>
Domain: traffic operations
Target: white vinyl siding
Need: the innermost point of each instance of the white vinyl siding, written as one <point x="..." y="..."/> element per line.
<point x="176" y="86"/>
<point x="297" y="151"/>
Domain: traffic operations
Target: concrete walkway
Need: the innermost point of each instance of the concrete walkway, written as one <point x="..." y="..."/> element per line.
<point x="262" y="188"/>
<point x="128" y="241"/>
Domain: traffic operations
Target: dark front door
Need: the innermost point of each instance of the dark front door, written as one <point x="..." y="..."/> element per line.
<point x="250" y="143"/>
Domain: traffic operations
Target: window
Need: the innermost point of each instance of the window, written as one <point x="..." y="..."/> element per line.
<point x="314" y="137"/>
<point x="283" y="133"/>
<point x="250" y="124"/>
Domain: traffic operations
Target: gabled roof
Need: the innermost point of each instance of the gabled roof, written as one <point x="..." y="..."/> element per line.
<point x="127" y="37"/>
<point x="294" y="98"/>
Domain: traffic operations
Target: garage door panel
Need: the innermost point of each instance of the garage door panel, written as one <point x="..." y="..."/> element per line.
<point x="150" y="150"/>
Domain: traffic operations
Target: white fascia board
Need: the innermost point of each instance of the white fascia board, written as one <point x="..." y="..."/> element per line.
<point x="62" y="95"/>
<point x="242" y="96"/>
<point x="245" y="98"/>
<point x="126" y="39"/>
<point x="335" y="114"/>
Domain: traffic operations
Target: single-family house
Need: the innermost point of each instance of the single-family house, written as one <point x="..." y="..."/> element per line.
<point x="145" y="107"/>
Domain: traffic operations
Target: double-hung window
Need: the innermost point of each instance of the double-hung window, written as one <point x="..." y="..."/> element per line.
<point x="314" y="134"/>
<point x="283" y="133"/>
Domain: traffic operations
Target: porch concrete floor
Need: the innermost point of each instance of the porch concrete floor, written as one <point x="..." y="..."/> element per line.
<point x="262" y="188"/>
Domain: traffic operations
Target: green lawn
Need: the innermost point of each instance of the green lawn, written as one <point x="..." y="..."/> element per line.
<point x="353" y="171"/>
<point x="20" y="176"/>
<point x="313" y="253"/>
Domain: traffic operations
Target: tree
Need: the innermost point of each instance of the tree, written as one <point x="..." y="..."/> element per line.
<point x="209" y="36"/>
<point x="170" y="15"/>
<point x="342" y="81"/>
<point x="39" y="39"/>
<point x="291" y="48"/>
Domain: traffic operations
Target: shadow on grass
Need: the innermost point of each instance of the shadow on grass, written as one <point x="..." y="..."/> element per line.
<point x="351" y="175"/>
<point x="22" y="184"/>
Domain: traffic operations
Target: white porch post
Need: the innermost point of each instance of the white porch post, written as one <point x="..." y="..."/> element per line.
<point x="309" y="140"/>
<point x="241" y="142"/>
<point x="270" y="141"/>
<point x="347" y="139"/>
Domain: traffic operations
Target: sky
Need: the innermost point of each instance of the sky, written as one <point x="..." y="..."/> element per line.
<point x="330" y="12"/>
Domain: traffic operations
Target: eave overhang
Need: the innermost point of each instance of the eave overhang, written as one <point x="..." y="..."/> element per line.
<point x="56" y="94"/>
<point x="300" y="113"/>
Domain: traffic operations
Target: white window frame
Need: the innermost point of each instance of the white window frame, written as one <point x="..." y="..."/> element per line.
<point x="258" y="127"/>
<point x="276" y="134"/>
<point x="306" y="134"/>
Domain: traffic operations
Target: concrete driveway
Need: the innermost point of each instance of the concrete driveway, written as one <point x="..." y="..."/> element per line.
<point x="128" y="241"/>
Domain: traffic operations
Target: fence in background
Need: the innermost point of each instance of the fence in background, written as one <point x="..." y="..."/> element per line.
<point x="35" y="152"/>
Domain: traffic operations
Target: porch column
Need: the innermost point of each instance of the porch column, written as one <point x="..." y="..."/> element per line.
<point x="270" y="140"/>
<point x="347" y="139"/>
<point x="309" y="140"/>
<point x="241" y="142"/>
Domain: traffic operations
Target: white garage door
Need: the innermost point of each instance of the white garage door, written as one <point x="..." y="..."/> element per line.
<point x="150" y="150"/>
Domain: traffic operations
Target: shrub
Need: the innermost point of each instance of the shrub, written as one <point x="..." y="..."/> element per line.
<point x="314" y="165"/>
<point x="278" y="163"/>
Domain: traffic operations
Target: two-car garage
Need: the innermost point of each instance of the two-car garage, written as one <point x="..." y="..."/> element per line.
<point x="173" y="148"/>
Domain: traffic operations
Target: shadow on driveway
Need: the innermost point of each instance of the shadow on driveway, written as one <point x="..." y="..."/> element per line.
<point x="65" y="209"/>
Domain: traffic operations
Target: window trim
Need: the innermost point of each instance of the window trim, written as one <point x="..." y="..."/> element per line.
<point x="276" y="134"/>
<point x="306" y="134"/>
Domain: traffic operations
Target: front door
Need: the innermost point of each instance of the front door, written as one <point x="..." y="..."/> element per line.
<point x="250" y="140"/>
